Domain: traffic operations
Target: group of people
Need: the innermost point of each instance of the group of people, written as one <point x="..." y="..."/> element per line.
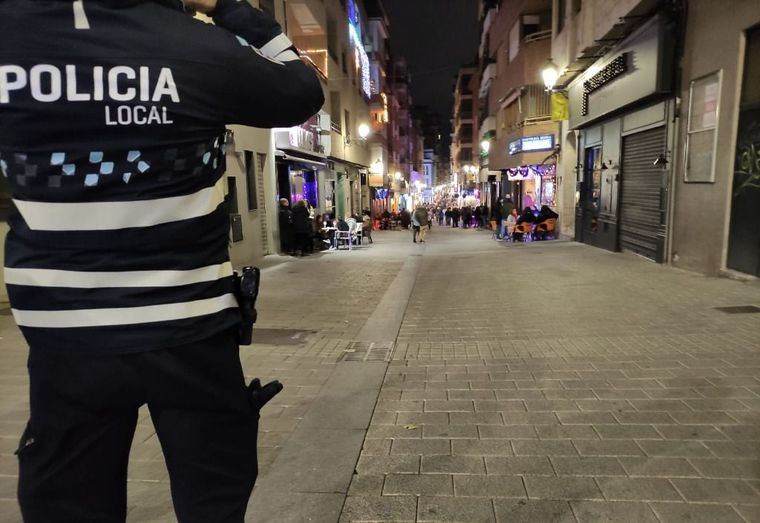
<point x="468" y="216"/>
<point x="302" y="230"/>
<point x="507" y="219"/>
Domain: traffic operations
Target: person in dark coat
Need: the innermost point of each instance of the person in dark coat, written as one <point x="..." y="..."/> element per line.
<point x="544" y="215"/>
<point x="303" y="229"/>
<point x="527" y="216"/>
<point x="496" y="216"/>
<point x="285" y="218"/>
<point x="455" y="214"/>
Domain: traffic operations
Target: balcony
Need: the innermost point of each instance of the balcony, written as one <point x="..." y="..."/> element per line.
<point x="489" y="73"/>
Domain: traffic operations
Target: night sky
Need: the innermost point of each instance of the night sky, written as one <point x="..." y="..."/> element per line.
<point x="436" y="37"/>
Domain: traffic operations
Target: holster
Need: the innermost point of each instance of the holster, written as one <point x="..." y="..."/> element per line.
<point x="247" y="291"/>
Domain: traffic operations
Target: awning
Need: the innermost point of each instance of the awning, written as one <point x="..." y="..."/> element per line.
<point x="359" y="166"/>
<point x="301" y="157"/>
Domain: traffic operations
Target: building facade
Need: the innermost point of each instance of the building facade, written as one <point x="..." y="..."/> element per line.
<point x="463" y="133"/>
<point x="323" y="161"/>
<point x="517" y="137"/>
<point x="717" y="161"/>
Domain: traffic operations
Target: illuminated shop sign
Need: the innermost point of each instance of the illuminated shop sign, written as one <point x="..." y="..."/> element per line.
<point x="360" y="55"/>
<point x="542" y="142"/>
<point x="614" y="69"/>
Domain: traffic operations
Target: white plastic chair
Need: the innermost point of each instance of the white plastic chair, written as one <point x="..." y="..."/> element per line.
<point x="346" y="236"/>
<point x="355" y="229"/>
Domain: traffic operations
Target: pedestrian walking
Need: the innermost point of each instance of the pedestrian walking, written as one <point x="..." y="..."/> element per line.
<point x="117" y="262"/>
<point x="420" y="218"/>
<point x="455" y="214"/>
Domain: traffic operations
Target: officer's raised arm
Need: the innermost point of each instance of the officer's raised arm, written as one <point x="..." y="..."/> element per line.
<point x="266" y="82"/>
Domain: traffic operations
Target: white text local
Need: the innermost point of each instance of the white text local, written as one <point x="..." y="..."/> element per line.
<point x="48" y="83"/>
<point x="137" y="115"/>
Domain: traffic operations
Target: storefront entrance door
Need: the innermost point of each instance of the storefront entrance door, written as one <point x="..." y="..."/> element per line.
<point x="642" y="203"/>
<point x="744" y="234"/>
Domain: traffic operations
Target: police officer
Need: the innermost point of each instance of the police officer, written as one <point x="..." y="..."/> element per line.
<point x="112" y="121"/>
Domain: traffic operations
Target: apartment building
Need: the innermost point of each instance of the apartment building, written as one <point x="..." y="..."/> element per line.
<point x="463" y="134"/>
<point x="517" y="138"/>
<point x="324" y="160"/>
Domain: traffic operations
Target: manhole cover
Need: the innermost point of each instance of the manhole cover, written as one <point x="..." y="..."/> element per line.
<point x="279" y="336"/>
<point x="739" y="309"/>
<point x="363" y="351"/>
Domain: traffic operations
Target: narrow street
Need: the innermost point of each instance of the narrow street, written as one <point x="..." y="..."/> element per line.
<point x="468" y="380"/>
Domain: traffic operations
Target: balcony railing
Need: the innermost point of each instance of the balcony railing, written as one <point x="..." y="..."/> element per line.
<point x="540" y="35"/>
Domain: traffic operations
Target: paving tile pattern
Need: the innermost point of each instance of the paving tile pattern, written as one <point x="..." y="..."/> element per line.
<point x="557" y="382"/>
<point x="327" y="298"/>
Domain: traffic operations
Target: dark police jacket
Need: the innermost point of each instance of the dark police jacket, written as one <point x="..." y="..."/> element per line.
<point x="112" y="119"/>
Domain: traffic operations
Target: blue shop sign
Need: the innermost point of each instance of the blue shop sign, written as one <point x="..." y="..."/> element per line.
<point x="542" y="142"/>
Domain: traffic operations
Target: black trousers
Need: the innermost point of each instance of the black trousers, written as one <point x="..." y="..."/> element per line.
<point x="74" y="452"/>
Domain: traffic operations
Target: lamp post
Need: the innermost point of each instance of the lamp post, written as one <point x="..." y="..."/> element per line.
<point x="363" y="131"/>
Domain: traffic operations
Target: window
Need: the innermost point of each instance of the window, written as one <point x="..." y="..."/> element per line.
<point x="335" y="112"/>
<point x="347" y="120"/>
<point x="561" y="13"/>
<point x="232" y="197"/>
<point x="514" y="41"/>
<point x="701" y="131"/>
<point x="332" y="39"/>
<point x="250" y="175"/>
<point x="308" y="34"/>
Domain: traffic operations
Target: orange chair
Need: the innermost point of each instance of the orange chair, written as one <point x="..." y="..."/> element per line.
<point x="546" y="228"/>
<point x="525" y="229"/>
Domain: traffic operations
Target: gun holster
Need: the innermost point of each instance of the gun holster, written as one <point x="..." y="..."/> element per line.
<point x="246" y="292"/>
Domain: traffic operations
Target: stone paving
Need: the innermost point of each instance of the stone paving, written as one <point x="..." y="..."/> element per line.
<point x="557" y="382"/>
<point x="541" y="382"/>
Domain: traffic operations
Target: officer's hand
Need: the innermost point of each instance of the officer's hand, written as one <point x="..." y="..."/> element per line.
<point x="202" y="6"/>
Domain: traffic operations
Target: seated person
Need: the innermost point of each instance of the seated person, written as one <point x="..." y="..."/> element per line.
<point x="527" y="216"/>
<point x="546" y="214"/>
<point x="341" y="225"/>
<point x="509" y="224"/>
<point x="367" y="226"/>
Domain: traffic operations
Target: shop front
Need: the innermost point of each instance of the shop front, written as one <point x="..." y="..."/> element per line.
<point x="299" y="166"/>
<point x="533" y="186"/>
<point x="624" y="110"/>
<point x="530" y="176"/>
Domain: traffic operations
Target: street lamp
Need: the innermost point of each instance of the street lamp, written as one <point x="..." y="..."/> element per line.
<point x="364" y="131"/>
<point x="397" y="175"/>
<point x="550" y="73"/>
<point x="485" y="145"/>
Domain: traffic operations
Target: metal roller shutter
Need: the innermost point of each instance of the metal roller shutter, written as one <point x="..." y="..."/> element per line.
<point x="641" y="206"/>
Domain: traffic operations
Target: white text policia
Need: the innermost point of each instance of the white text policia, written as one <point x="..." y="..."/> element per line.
<point x="48" y="83"/>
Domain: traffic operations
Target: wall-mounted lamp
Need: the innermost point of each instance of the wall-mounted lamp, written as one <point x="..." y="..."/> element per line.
<point x="550" y="74"/>
<point x="661" y="162"/>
